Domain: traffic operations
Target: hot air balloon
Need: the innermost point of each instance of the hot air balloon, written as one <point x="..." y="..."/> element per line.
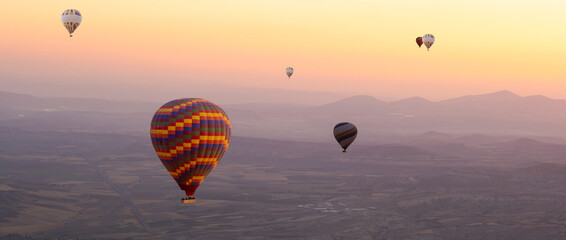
<point x="71" y="19"/>
<point x="428" y="40"/>
<point x="345" y="133"/>
<point x="419" y="41"/>
<point x="289" y="71"/>
<point x="190" y="136"/>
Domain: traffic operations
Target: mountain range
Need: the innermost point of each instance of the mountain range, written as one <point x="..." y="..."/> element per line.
<point x="498" y="113"/>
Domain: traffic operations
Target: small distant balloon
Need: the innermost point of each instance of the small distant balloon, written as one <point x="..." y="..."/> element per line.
<point x="289" y="71"/>
<point x="428" y="40"/>
<point x="345" y="133"/>
<point x="71" y="19"/>
<point x="420" y="41"/>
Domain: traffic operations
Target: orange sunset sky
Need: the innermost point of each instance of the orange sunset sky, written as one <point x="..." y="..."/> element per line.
<point x="353" y="46"/>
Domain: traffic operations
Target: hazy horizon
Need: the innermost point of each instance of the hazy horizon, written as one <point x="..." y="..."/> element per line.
<point x="258" y="95"/>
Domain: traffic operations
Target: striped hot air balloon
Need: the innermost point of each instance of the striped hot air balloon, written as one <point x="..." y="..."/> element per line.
<point x="345" y="133"/>
<point x="190" y="136"/>
<point x="428" y="40"/>
<point x="420" y="41"/>
<point x="71" y="19"/>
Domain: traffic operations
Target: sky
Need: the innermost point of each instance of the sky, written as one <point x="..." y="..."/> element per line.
<point x="349" y="46"/>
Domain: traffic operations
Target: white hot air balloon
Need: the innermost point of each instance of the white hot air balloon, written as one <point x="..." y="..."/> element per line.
<point x="71" y="19"/>
<point x="428" y="40"/>
<point x="289" y="71"/>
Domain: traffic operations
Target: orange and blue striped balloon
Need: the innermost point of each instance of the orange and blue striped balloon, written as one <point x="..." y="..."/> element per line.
<point x="190" y="136"/>
<point x="420" y="41"/>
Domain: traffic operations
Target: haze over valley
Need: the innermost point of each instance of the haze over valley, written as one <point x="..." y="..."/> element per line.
<point x="487" y="166"/>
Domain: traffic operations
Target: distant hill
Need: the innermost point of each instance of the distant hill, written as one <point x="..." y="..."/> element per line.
<point x="501" y="96"/>
<point x="359" y="100"/>
<point x="412" y="103"/>
<point x="501" y="113"/>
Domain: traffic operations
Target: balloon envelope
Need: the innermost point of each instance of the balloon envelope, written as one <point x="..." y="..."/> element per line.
<point x="420" y="41"/>
<point x="289" y="71"/>
<point x="71" y="19"/>
<point x="190" y="136"/>
<point x="345" y="133"/>
<point x="428" y="40"/>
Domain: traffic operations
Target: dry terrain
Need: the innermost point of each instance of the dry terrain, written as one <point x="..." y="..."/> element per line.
<point x="65" y="185"/>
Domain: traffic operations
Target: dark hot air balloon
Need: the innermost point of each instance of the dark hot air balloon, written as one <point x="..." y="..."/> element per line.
<point x="345" y="133"/>
<point x="420" y="41"/>
<point x="190" y="136"/>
